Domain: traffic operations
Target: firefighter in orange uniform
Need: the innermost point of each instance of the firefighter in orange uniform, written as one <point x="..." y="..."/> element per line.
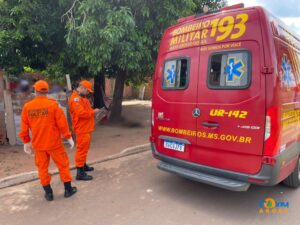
<point x="83" y="125"/>
<point x="47" y="123"/>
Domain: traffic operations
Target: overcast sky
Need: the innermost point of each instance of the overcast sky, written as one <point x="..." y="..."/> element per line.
<point x="286" y="10"/>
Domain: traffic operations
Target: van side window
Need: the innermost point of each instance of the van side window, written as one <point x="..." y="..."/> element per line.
<point x="175" y="74"/>
<point x="229" y="70"/>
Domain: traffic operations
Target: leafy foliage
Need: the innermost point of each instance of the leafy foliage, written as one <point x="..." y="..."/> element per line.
<point x="32" y="35"/>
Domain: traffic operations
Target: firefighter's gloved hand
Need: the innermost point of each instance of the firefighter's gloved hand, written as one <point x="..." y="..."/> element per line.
<point x="28" y="148"/>
<point x="97" y="110"/>
<point x="71" y="142"/>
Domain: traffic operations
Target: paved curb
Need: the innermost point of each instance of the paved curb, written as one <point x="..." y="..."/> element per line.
<point x="33" y="175"/>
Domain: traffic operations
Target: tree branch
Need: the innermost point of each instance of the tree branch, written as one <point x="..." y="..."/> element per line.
<point x="70" y="16"/>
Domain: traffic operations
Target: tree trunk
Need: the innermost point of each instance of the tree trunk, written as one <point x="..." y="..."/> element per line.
<point x="99" y="82"/>
<point x="116" y="110"/>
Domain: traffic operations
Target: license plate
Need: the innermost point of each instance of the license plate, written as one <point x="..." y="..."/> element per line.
<point x="174" y="146"/>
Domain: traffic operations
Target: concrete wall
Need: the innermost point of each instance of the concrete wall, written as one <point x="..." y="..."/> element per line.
<point x="129" y="92"/>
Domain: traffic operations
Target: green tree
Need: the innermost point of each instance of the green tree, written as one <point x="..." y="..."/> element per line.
<point x="212" y="4"/>
<point x="33" y="35"/>
<point x="96" y="30"/>
<point x="111" y="38"/>
<point x="119" y="38"/>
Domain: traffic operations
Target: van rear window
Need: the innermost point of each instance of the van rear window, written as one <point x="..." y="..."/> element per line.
<point x="175" y="74"/>
<point x="229" y="70"/>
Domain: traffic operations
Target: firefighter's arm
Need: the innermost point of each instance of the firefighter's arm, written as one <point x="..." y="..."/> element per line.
<point x="62" y="122"/>
<point x="80" y="111"/>
<point x="24" y="132"/>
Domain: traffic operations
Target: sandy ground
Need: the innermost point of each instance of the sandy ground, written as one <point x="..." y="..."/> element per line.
<point x="107" y="140"/>
<point x="132" y="191"/>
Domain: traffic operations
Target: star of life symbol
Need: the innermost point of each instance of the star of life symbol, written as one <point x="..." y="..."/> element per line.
<point x="234" y="69"/>
<point x="288" y="79"/>
<point x="171" y="73"/>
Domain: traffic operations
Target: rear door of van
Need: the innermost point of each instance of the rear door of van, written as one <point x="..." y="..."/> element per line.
<point x="174" y="99"/>
<point x="231" y="95"/>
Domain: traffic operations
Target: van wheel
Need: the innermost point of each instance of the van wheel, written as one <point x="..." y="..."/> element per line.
<point x="293" y="180"/>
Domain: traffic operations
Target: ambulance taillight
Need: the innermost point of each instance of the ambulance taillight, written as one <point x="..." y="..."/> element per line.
<point x="236" y="6"/>
<point x="184" y="19"/>
<point x="268" y="128"/>
<point x="272" y="132"/>
<point x="152" y="117"/>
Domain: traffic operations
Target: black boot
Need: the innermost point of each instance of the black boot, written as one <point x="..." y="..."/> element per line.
<point x="88" y="168"/>
<point x="48" y="193"/>
<point x="69" y="190"/>
<point x="81" y="175"/>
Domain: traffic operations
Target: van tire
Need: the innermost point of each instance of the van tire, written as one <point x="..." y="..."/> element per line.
<point x="293" y="180"/>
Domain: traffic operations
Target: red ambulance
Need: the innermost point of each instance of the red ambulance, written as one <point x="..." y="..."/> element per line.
<point x="226" y="100"/>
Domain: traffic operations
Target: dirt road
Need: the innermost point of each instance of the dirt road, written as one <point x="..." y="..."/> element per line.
<point x="107" y="140"/>
<point x="132" y="191"/>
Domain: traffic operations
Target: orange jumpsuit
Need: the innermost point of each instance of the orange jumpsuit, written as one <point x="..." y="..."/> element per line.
<point x="83" y="125"/>
<point x="47" y="123"/>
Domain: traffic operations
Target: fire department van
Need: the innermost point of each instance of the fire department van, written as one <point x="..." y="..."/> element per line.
<point x="226" y="100"/>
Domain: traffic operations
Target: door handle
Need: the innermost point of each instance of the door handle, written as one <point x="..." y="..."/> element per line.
<point x="210" y="125"/>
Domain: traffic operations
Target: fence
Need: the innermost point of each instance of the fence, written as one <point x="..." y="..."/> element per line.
<point x="2" y="110"/>
<point x="11" y="105"/>
<point x="144" y="92"/>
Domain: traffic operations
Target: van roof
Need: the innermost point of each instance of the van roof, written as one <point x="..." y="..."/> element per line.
<point x="189" y="19"/>
<point x="278" y="24"/>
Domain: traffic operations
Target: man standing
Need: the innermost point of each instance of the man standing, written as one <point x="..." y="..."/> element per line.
<point x="83" y="125"/>
<point x="47" y="123"/>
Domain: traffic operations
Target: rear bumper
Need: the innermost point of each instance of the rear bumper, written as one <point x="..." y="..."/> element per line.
<point x="230" y="180"/>
<point x="221" y="182"/>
